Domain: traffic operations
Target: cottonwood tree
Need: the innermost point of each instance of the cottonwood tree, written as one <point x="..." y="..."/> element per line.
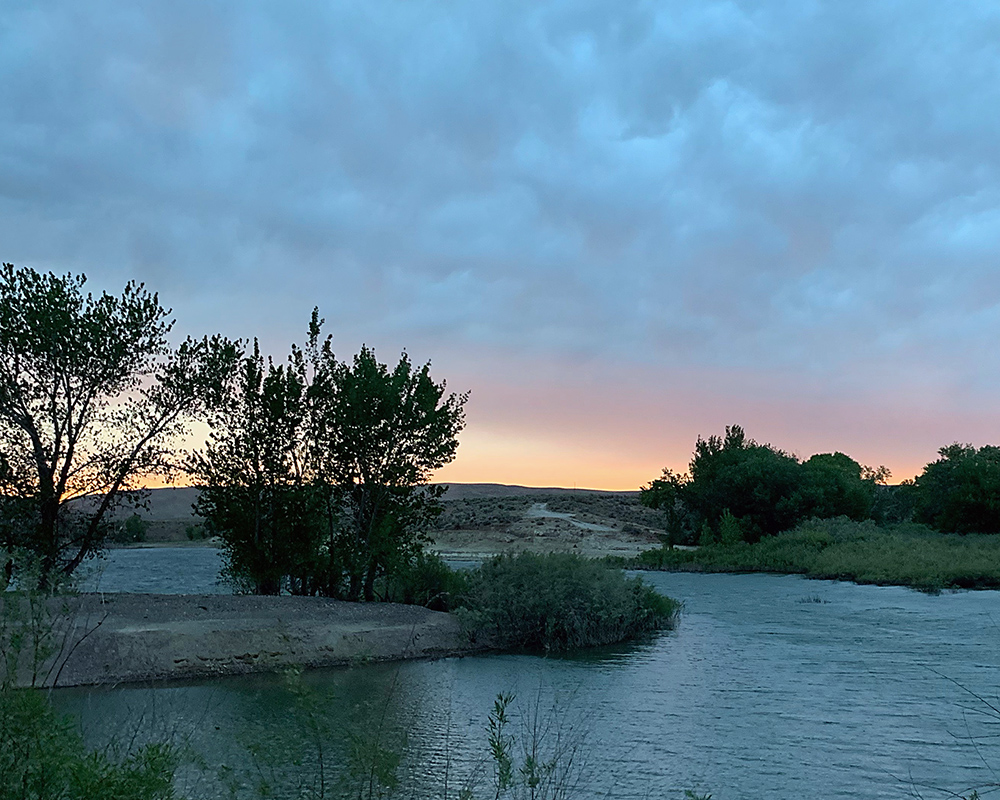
<point x="92" y="398"/>
<point x="380" y="434"/>
<point x="758" y="490"/>
<point x="316" y="472"/>
<point x="960" y="491"/>
<point x="255" y="489"/>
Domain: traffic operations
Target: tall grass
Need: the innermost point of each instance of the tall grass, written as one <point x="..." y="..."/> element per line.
<point x="904" y="555"/>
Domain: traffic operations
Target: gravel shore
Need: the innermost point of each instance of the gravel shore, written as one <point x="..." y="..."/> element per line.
<point x="116" y="638"/>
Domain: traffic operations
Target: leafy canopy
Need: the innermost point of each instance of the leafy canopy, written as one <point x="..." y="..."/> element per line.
<point x="960" y="491"/>
<point x="92" y="397"/>
<point x="738" y="489"/>
<point x="315" y="475"/>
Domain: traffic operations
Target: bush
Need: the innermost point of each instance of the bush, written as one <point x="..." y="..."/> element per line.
<point x="195" y="533"/>
<point x="132" y="530"/>
<point x="559" y="601"/>
<point x="42" y="757"/>
<point x="425" y="581"/>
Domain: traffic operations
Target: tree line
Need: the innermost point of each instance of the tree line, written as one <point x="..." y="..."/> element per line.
<point x="737" y="489"/>
<point x="315" y="473"/>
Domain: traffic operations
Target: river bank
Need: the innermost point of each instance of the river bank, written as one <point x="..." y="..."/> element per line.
<point x="106" y="639"/>
<point x="901" y="555"/>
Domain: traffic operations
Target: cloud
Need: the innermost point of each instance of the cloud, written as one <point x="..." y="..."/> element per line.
<point x="808" y="190"/>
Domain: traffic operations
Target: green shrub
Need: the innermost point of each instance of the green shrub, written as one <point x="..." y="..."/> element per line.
<point x="132" y="530"/>
<point x="42" y="757"/>
<point x="425" y="581"/>
<point x="730" y="529"/>
<point x="559" y="601"/>
<point x="195" y="533"/>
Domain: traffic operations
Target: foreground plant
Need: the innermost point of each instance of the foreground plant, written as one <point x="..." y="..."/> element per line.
<point x="42" y="753"/>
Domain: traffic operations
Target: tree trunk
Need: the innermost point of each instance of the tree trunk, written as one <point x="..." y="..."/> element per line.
<point x="48" y="538"/>
<point x="370" y="581"/>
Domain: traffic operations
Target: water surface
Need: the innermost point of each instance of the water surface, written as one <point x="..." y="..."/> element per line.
<point x="770" y="687"/>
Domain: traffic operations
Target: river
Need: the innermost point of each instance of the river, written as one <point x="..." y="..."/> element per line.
<point x="770" y="687"/>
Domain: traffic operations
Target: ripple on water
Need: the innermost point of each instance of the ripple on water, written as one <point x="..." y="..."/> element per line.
<point x="760" y="692"/>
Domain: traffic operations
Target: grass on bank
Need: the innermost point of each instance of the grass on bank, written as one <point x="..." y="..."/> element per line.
<point x="538" y="603"/>
<point x="839" y="549"/>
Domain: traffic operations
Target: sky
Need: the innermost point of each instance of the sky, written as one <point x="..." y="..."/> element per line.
<point x="622" y="225"/>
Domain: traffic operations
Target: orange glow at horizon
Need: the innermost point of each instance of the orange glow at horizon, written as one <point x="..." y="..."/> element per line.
<point x="494" y="457"/>
<point x="528" y="458"/>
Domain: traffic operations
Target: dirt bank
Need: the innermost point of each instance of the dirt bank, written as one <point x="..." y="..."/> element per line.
<point x="131" y="637"/>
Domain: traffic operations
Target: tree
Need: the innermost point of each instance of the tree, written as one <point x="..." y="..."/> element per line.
<point x="380" y="435"/>
<point x="960" y="491"/>
<point x="838" y="486"/>
<point x="91" y="399"/>
<point x="666" y="493"/>
<point x="316" y="472"/>
<point x="758" y="484"/>
<point x="738" y="488"/>
<point x="254" y="484"/>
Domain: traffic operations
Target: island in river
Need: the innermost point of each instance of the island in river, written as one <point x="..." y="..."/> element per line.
<point x="115" y="637"/>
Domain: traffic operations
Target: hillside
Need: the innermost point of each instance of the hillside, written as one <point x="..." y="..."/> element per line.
<point x="479" y="519"/>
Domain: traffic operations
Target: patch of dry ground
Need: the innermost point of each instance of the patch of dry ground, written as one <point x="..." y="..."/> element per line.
<point x="119" y="638"/>
<point x="540" y="530"/>
<point x="589" y="523"/>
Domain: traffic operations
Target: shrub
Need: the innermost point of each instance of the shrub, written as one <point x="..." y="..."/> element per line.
<point x="425" y="581"/>
<point x="195" y="532"/>
<point x="559" y="601"/>
<point x="131" y="530"/>
<point x="42" y="757"/>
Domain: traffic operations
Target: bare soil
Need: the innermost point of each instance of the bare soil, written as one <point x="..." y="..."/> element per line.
<point x="116" y="638"/>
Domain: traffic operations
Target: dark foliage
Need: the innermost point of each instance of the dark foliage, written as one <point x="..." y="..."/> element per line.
<point x="316" y="473"/>
<point x="426" y="581"/>
<point x="742" y="490"/>
<point x="42" y="757"/>
<point x="91" y="398"/>
<point x="558" y="602"/>
<point x="960" y="492"/>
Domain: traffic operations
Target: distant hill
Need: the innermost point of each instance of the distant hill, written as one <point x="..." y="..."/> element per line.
<point x="170" y="516"/>
<point x="170" y="503"/>
<point x="175" y="503"/>
<point x="469" y="491"/>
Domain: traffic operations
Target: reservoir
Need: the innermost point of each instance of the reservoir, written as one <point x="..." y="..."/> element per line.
<point x="770" y="687"/>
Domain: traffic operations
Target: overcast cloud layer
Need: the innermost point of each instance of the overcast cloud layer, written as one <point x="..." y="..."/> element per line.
<point x="621" y="224"/>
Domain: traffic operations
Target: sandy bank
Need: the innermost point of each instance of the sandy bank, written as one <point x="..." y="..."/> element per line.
<point x="116" y="638"/>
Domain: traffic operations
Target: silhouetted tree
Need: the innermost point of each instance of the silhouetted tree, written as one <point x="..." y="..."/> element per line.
<point x="739" y="489"/>
<point x="316" y="472"/>
<point x="92" y="398"/>
<point x="960" y="491"/>
<point x="838" y="486"/>
<point x="759" y="485"/>
<point x="381" y="433"/>
<point x="255" y="491"/>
